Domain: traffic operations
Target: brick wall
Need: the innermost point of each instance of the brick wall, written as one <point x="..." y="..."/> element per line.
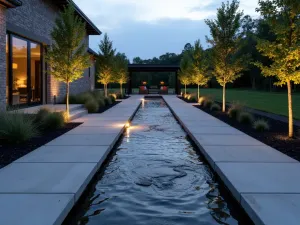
<point x="2" y="58"/>
<point x="38" y="17"/>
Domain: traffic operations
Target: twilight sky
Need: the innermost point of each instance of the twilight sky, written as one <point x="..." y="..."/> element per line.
<point x="149" y="28"/>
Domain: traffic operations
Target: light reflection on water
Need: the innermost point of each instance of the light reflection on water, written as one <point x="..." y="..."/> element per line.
<point x="156" y="177"/>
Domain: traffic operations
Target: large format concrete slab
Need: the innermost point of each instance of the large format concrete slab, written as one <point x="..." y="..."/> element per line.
<point x="51" y="178"/>
<point x="275" y="209"/>
<point x="67" y="154"/>
<point x="39" y="209"/>
<point x="264" y="181"/>
<point x="43" y="186"/>
<point x="85" y="140"/>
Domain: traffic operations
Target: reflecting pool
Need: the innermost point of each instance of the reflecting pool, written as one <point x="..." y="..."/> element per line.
<point x="155" y="177"/>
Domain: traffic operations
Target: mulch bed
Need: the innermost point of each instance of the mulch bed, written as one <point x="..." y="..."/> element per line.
<point x="10" y="152"/>
<point x="276" y="137"/>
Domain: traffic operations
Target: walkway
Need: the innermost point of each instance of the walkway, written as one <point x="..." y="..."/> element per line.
<point x="264" y="181"/>
<point x="42" y="187"/>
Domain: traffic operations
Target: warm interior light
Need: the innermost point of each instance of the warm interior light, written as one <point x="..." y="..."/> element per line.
<point x="15" y="66"/>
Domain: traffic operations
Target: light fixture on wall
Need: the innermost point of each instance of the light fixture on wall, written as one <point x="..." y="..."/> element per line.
<point x="15" y="66"/>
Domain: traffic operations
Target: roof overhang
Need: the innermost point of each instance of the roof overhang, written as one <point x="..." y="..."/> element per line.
<point x="152" y="68"/>
<point x="91" y="28"/>
<point x="92" y="52"/>
<point x="10" y="3"/>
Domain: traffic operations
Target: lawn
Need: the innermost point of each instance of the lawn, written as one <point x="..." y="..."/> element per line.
<point x="265" y="101"/>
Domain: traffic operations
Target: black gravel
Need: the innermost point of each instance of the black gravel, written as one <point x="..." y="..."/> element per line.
<point x="276" y="137"/>
<point x="10" y="152"/>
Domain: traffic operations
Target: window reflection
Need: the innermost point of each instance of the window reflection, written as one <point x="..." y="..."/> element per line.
<point x="19" y="71"/>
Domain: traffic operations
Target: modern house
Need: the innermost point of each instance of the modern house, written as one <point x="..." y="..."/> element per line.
<point x="25" y="27"/>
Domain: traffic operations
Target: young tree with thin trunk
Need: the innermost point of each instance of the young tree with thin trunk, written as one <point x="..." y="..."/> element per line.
<point x="121" y="70"/>
<point x="67" y="56"/>
<point x="184" y="74"/>
<point x="283" y="17"/>
<point x="199" y="67"/>
<point x="225" y="38"/>
<point x="105" y="63"/>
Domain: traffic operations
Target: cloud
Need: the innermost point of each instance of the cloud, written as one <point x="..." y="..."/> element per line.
<point x="150" y="28"/>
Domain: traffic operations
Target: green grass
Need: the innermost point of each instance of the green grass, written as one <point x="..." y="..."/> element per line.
<point x="265" y="101"/>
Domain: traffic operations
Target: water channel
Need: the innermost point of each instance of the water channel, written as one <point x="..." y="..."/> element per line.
<point x="156" y="176"/>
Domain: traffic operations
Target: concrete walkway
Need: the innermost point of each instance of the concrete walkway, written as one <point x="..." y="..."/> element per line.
<point x="264" y="181"/>
<point x="42" y="187"/>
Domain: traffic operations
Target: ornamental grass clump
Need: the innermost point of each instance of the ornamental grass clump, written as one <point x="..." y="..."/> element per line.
<point x="17" y="127"/>
<point x="92" y="106"/>
<point x="261" y="125"/>
<point x="215" y="107"/>
<point x="101" y="103"/>
<point x="41" y="114"/>
<point x="107" y="101"/>
<point x="246" y="118"/>
<point x="235" y="110"/>
<point x="201" y="100"/>
<point x="208" y="103"/>
<point x="84" y="97"/>
<point x="53" y="121"/>
<point x="113" y="97"/>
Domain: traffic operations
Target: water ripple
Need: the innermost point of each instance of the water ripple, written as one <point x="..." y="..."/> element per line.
<point x="156" y="178"/>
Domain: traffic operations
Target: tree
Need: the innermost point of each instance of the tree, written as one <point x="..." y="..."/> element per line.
<point x="105" y="62"/>
<point x="137" y="60"/>
<point x="199" y="67"/>
<point x="184" y="74"/>
<point x="283" y="17"/>
<point x="67" y="56"/>
<point x="121" y="70"/>
<point x="225" y="39"/>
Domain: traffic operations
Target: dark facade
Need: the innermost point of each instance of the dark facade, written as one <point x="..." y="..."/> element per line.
<point x="24" y="35"/>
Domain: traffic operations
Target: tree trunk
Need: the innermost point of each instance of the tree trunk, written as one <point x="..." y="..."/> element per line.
<point x="198" y="92"/>
<point x="185" y="89"/>
<point x="105" y="90"/>
<point x="67" y="98"/>
<point x="290" y="106"/>
<point x="121" y="89"/>
<point x="224" y="99"/>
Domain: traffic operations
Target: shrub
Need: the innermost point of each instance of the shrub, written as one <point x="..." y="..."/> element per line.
<point x="193" y="99"/>
<point x="41" y="114"/>
<point x="208" y="103"/>
<point x="215" y="107"/>
<point x="17" y="127"/>
<point x="261" y="125"/>
<point x="201" y="100"/>
<point x="235" y="109"/>
<point x="113" y="98"/>
<point x="246" y="118"/>
<point x="84" y="97"/>
<point x="92" y="106"/>
<point x="120" y="96"/>
<point x="101" y="103"/>
<point x="53" y="121"/>
<point x="97" y="94"/>
<point x="107" y="101"/>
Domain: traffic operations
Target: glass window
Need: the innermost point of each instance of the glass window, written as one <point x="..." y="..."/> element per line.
<point x="36" y="83"/>
<point x="19" y="71"/>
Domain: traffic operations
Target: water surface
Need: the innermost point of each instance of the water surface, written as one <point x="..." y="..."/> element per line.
<point x="155" y="177"/>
